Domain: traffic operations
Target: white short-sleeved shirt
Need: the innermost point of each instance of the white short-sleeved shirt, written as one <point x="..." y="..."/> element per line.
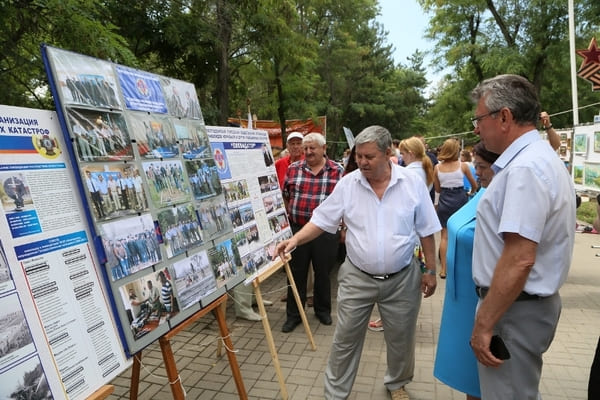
<point x="381" y="233"/>
<point x="532" y="195"/>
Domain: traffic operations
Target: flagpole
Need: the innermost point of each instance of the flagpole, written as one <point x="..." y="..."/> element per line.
<point x="573" y="65"/>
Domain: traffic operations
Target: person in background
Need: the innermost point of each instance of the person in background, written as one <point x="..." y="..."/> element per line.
<point x="460" y="300"/>
<point x="465" y="157"/>
<point x="448" y="182"/>
<point x="553" y="136"/>
<point x="380" y="267"/>
<point x="523" y="243"/>
<point x="295" y="153"/>
<point x="307" y="184"/>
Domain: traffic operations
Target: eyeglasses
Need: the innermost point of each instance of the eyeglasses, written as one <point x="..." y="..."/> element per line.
<point x="475" y="120"/>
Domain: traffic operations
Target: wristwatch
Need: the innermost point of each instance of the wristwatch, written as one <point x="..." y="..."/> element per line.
<point x="428" y="271"/>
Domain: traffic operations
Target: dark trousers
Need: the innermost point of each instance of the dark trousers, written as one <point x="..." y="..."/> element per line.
<point x="322" y="251"/>
<point x="594" y="384"/>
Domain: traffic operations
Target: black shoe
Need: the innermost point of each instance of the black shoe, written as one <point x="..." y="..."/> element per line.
<point x="325" y="319"/>
<point x="290" y="325"/>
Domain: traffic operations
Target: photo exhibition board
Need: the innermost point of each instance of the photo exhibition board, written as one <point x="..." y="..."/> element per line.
<point x="154" y="201"/>
<point x="245" y="164"/>
<point x="58" y="338"/>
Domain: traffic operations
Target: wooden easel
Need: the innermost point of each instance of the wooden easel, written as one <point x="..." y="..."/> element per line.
<point x="264" y="275"/>
<point x="102" y="393"/>
<point x="169" y="359"/>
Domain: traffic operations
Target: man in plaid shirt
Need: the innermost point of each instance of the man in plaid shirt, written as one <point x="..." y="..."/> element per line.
<point x="307" y="183"/>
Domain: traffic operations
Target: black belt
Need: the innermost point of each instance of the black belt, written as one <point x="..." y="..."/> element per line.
<point x="482" y="292"/>
<point x="382" y="277"/>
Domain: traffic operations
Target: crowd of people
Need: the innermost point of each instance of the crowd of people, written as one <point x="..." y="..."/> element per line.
<point x="506" y="213"/>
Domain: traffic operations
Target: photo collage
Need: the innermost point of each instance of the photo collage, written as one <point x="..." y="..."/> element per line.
<point x="152" y="188"/>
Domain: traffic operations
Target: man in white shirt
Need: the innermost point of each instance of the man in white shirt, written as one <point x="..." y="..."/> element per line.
<point x="384" y="208"/>
<point x="523" y="240"/>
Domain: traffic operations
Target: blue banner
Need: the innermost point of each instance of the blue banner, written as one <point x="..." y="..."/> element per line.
<point x="141" y="90"/>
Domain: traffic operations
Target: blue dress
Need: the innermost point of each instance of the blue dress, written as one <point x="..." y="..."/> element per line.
<point x="455" y="363"/>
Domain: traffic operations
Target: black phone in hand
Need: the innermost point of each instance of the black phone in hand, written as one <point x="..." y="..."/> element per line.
<point x="498" y="348"/>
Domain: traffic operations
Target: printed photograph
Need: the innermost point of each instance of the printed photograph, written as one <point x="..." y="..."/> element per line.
<point x="6" y="282"/>
<point x="580" y="144"/>
<point x="15" y="193"/>
<point x="247" y="239"/>
<point x="254" y="261"/>
<point x="236" y="190"/>
<point x="149" y="302"/>
<point x="25" y="381"/>
<point x="154" y="135"/>
<point x="225" y="261"/>
<point x="214" y="217"/>
<point x="278" y="223"/>
<point x="130" y="245"/>
<point x="99" y="135"/>
<point x="84" y="80"/>
<point x="193" y="140"/>
<point x="114" y="190"/>
<point x="166" y="183"/>
<point x="181" y="97"/>
<point x="204" y="178"/>
<point x="270" y="248"/>
<point x="241" y="215"/>
<point x="16" y="341"/>
<point x="273" y="202"/>
<point x="180" y="229"/>
<point x="268" y="183"/>
<point x="194" y="279"/>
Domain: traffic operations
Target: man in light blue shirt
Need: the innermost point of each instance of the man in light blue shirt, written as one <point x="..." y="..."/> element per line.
<point x="384" y="208"/>
<point x="523" y="240"/>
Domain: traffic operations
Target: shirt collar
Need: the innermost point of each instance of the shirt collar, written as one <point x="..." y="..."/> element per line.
<point x="515" y="148"/>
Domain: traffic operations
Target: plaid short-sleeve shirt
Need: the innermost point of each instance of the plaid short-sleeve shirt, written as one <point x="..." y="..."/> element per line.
<point x="304" y="190"/>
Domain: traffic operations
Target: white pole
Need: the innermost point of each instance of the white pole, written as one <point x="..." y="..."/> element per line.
<point x="573" y="64"/>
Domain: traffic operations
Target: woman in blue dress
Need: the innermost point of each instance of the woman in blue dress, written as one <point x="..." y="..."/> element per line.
<point x="455" y="364"/>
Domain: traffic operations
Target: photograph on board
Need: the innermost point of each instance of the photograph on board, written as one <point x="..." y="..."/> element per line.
<point x="16" y="196"/>
<point x="16" y="342"/>
<point x="84" y="80"/>
<point x="115" y="190"/>
<point x="179" y="228"/>
<point x="166" y="182"/>
<point x="225" y="261"/>
<point x="99" y="135"/>
<point x="214" y="217"/>
<point x="133" y="243"/>
<point x="154" y="135"/>
<point x="236" y="190"/>
<point x="204" y="178"/>
<point x="149" y="302"/>
<point x="181" y="97"/>
<point x="194" y="279"/>
<point x="193" y="139"/>
<point x="26" y="380"/>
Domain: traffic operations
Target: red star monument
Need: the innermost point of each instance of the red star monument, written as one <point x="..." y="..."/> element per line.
<point x="590" y="67"/>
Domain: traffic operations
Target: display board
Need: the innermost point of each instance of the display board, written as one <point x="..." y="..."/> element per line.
<point x="57" y="335"/>
<point x="167" y="241"/>
<point x="246" y="169"/>
<point x="586" y="157"/>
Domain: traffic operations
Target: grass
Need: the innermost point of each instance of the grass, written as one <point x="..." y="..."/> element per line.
<point x="587" y="212"/>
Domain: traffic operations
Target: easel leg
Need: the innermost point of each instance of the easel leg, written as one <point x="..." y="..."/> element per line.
<point x="270" y="341"/>
<point x="288" y="271"/>
<point x="135" y="376"/>
<point x="172" y="374"/>
<point x="220" y="343"/>
<point x="233" y="364"/>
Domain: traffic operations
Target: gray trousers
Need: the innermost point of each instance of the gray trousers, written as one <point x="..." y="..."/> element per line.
<point x="398" y="299"/>
<point x="527" y="329"/>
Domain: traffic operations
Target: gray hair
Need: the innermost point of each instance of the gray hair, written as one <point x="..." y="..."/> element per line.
<point x="375" y="133"/>
<point x="314" y="137"/>
<point x="511" y="91"/>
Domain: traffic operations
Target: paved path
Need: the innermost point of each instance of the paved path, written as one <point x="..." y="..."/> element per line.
<point x="204" y="376"/>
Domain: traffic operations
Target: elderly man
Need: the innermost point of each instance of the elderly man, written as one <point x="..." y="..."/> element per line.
<point x="307" y="183"/>
<point x="523" y="240"/>
<point x="294" y="147"/>
<point x="384" y="208"/>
